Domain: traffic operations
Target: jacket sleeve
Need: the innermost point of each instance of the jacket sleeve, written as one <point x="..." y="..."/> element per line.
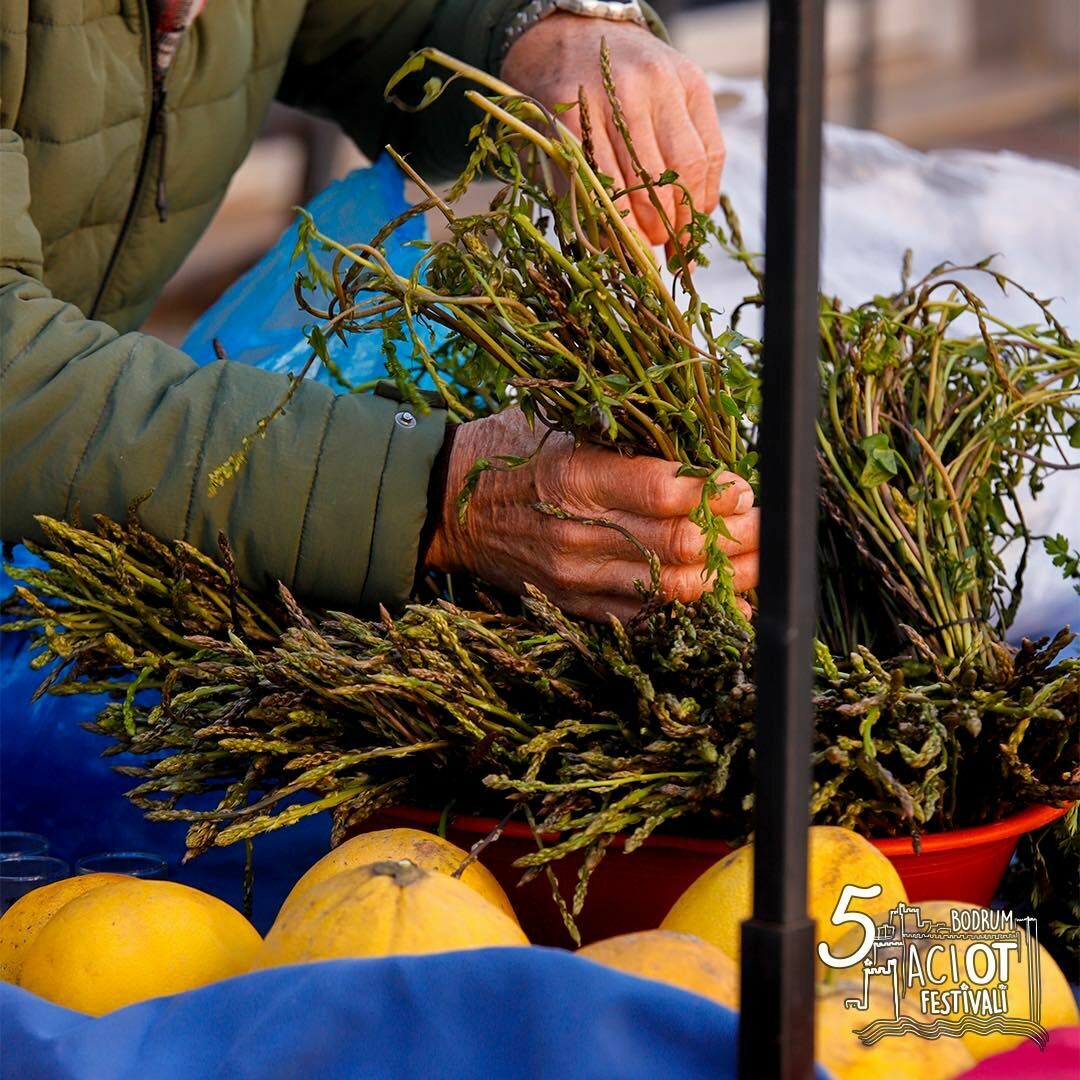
<point x="331" y="501"/>
<point x="346" y="50"/>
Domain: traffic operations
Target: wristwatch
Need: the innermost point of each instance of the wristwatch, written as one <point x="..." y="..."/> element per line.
<point x="532" y="13"/>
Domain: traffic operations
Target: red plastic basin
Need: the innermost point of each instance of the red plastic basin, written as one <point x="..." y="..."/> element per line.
<point x="635" y="892"/>
<point x="965" y="864"/>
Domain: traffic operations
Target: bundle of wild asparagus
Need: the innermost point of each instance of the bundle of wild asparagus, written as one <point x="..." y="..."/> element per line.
<point x="550" y="302"/>
<point x="594" y="729"/>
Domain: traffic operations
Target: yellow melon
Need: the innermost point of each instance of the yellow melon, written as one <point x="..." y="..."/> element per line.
<point x="427" y="850"/>
<point x="715" y="905"/>
<point x="894" y="1057"/>
<point x="678" y="959"/>
<point x="383" y="909"/>
<point x="132" y="940"/>
<point x="23" y="921"/>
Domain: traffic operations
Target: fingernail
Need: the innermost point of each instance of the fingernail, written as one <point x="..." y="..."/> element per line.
<point x="746" y="501"/>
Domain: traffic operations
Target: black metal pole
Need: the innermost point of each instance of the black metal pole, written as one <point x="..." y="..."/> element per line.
<point x="777" y="1004"/>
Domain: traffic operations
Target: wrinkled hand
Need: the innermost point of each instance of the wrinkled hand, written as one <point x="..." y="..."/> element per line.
<point x="587" y="570"/>
<point x="664" y="95"/>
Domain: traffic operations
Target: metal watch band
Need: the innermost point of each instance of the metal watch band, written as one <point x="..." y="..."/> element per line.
<point x="532" y="13"/>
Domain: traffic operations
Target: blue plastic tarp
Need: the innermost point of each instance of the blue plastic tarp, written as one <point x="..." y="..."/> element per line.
<point x="54" y="781"/>
<point x="491" y="1013"/>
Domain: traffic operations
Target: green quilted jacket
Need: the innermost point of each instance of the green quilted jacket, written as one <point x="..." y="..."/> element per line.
<point x="92" y="413"/>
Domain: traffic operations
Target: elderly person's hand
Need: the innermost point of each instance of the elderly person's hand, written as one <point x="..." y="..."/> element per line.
<point x="664" y="95"/>
<point x="586" y="569"/>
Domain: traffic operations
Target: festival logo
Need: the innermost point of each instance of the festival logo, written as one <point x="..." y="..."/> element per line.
<point x="976" y="972"/>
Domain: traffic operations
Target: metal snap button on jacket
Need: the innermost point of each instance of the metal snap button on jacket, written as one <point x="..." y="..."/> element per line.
<point x="405" y="419"/>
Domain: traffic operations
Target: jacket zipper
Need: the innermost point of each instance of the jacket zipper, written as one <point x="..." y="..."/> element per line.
<point x="154" y="131"/>
<point x="161" y="200"/>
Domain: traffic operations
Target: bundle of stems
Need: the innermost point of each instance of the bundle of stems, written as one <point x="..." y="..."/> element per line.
<point x="566" y="303"/>
<point x="924" y="440"/>
<point x="550" y="302"/>
<point x="585" y="730"/>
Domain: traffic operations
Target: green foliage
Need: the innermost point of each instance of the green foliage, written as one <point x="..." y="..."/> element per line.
<point x="1057" y="547"/>
<point x="553" y="303"/>
<point x="882" y="463"/>
<point x="924" y="438"/>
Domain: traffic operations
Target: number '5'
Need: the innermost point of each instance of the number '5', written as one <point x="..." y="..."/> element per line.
<point x="841" y="915"/>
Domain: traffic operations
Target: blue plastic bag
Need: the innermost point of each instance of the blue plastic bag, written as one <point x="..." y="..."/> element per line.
<point x="257" y="320"/>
